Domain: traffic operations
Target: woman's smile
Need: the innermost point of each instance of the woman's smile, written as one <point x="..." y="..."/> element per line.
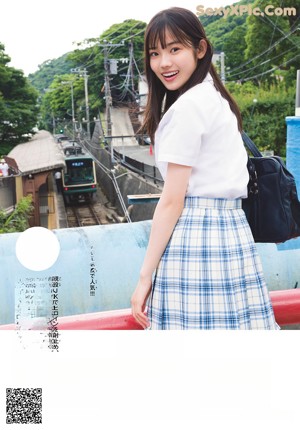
<point x="170" y="76"/>
<point x="175" y="63"/>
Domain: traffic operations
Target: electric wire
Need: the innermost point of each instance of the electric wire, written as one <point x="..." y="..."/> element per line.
<point x="266" y="51"/>
<point x="271" y="70"/>
<point x="260" y="64"/>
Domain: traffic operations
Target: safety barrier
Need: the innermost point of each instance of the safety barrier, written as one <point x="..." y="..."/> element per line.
<point x="286" y="305"/>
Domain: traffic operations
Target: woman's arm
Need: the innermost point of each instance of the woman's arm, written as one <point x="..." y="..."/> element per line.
<point x="167" y="212"/>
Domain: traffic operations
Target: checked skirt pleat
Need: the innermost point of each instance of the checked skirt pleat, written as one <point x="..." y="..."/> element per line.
<point x="210" y="275"/>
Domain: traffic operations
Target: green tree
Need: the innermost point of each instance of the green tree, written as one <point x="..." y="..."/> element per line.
<point x="47" y="71"/>
<point x="234" y="46"/>
<point x="264" y="113"/>
<point x="90" y="55"/>
<point x="273" y="42"/>
<point x="227" y="34"/>
<point x="92" y="58"/>
<point x="56" y="105"/>
<point x="18" y="220"/>
<point x="234" y="35"/>
<point x="18" y="105"/>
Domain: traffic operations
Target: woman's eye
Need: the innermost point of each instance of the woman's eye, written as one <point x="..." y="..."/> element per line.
<point x="175" y="49"/>
<point x="153" y="54"/>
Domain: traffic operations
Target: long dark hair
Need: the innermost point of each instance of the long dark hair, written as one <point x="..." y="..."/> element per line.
<point x="186" y="28"/>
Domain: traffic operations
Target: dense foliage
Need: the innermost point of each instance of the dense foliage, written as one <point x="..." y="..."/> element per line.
<point x="227" y="35"/>
<point x="47" y="71"/>
<point x="264" y="112"/>
<point x="18" y="105"/>
<point x="257" y="48"/>
<point x="262" y="54"/>
<point x="18" y="220"/>
<point x="65" y="93"/>
<point x="113" y="44"/>
<point x="122" y="44"/>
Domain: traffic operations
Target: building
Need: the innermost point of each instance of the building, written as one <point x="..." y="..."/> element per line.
<point x="36" y="161"/>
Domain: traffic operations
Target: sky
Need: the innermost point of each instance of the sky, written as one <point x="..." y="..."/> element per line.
<point x="34" y="31"/>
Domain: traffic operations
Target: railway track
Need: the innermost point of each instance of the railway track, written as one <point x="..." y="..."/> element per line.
<point x="87" y="214"/>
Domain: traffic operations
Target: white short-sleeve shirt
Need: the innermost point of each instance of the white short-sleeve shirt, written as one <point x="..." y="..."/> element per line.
<point x="201" y="131"/>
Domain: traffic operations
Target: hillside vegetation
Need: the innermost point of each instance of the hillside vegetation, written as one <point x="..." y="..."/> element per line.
<point x="262" y="54"/>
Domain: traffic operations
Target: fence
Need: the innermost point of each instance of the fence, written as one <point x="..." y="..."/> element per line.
<point x="286" y="305"/>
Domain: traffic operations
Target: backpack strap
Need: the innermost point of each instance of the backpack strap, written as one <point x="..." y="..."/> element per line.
<point x="250" y="145"/>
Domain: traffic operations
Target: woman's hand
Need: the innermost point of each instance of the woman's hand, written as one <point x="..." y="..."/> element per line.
<point x="139" y="299"/>
<point x="167" y="212"/>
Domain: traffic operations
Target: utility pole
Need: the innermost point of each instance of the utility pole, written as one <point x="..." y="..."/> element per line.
<point x="108" y="98"/>
<point x="53" y="123"/>
<point x="222" y="57"/>
<point x="83" y="72"/>
<point x="131" y="68"/>
<point x="72" y="102"/>
<point x="73" y="108"/>
<point x="297" y="107"/>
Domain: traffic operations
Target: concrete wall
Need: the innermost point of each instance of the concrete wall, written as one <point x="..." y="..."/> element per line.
<point x="129" y="183"/>
<point x="7" y="193"/>
<point x="107" y="258"/>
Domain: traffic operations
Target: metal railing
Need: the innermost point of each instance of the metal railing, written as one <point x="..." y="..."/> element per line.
<point x="143" y="169"/>
<point x="286" y="305"/>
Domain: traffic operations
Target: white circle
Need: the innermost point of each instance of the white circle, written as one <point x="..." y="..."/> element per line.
<point x="37" y="248"/>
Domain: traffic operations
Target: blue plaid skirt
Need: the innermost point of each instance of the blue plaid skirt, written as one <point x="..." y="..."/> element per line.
<point x="210" y="275"/>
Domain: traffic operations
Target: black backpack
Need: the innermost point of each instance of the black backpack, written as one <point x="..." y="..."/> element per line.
<point x="272" y="207"/>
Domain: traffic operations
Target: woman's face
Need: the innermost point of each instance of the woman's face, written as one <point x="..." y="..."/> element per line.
<point x="175" y="63"/>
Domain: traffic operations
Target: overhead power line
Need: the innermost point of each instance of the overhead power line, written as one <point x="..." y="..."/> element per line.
<point x="261" y="64"/>
<point x="271" y="47"/>
<point x="127" y="31"/>
<point x="271" y="70"/>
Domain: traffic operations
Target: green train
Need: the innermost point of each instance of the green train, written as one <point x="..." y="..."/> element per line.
<point x="79" y="180"/>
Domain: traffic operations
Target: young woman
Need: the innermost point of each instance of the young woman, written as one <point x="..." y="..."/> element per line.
<point x="201" y="269"/>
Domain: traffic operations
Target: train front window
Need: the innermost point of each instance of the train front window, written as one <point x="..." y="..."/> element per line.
<point x="79" y="172"/>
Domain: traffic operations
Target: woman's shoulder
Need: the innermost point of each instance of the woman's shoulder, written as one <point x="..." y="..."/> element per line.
<point x="202" y="100"/>
<point x="205" y="88"/>
<point x="204" y="97"/>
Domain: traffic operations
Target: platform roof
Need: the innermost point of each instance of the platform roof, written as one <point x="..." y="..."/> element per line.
<point x="40" y="154"/>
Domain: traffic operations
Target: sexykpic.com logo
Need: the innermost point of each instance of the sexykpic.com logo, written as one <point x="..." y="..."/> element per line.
<point x="239" y="10"/>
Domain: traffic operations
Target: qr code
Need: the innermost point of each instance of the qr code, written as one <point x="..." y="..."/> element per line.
<point x="23" y="406"/>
